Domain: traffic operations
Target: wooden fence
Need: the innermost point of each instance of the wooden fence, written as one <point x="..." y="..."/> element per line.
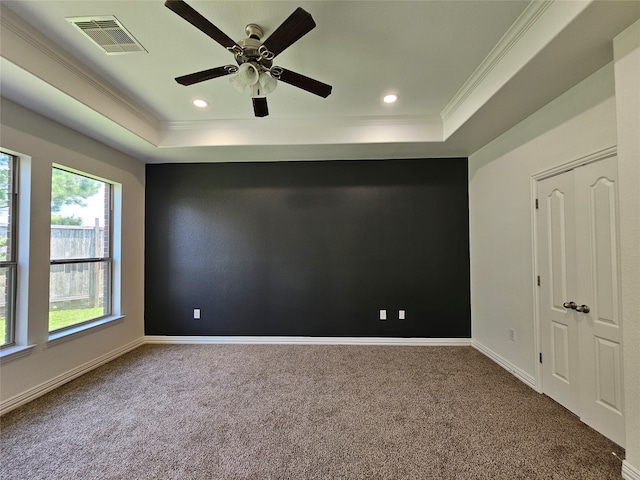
<point x="80" y="285"/>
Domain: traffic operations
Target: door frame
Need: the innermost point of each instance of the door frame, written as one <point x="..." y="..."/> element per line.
<point x="551" y="172"/>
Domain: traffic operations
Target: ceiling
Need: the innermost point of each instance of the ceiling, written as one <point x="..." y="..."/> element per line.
<point x="464" y="72"/>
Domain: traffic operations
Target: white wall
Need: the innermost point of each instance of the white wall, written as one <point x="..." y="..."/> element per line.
<point x="47" y="142"/>
<point x="579" y="122"/>
<point x="627" y="79"/>
<point x="600" y="112"/>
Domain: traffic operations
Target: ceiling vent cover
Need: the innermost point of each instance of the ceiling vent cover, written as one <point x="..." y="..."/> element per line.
<point x="107" y="33"/>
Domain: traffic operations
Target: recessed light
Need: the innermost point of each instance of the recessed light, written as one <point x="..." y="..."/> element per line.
<point x="390" y="98"/>
<point x="198" y="102"/>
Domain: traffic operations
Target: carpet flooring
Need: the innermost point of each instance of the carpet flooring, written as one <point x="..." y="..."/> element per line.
<point x="300" y="412"/>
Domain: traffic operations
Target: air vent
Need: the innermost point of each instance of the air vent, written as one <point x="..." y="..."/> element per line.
<point x="107" y="33"/>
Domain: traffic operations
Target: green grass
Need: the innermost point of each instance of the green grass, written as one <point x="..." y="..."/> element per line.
<point x="60" y="319"/>
<point x="64" y="318"/>
<point x="3" y="331"/>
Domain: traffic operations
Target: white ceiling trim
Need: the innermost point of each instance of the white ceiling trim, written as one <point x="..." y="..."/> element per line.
<point x="39" y="96"/>
<point x="540" y="22"/>
<point x="314" y="122"/>
<point x="308" y="132"/>
<point x="511" y="37"/>
<point x="33" y="52"/>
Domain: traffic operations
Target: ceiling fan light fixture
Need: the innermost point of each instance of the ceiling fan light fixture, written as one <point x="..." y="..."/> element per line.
<point x="267" y="83"/>
<point x="247" y="76"/>
<point x="237" y="85"/>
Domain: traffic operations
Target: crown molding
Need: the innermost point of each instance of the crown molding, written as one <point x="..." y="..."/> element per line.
<point x="33" y="52"/>
<point x="405" y="120"/>
<point x="23" y="92"/>
<point x="524" y="22"/>
<point x="538" y="24"/>
<point x="308" y="131"/>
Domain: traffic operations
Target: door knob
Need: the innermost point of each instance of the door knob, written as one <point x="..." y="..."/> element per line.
<point x="583" y="309"/>
<point x="572" y="305"/>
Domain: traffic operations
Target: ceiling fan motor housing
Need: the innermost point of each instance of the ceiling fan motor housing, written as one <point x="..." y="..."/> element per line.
<point x="251" y="48"/>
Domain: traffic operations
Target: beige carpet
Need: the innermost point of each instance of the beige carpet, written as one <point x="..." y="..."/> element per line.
<point x="300" y="412"/>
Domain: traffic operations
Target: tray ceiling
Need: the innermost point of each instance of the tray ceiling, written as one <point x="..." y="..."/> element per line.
<point x="448" y="62"/>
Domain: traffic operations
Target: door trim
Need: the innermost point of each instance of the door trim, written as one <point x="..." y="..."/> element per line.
<point x="535" y="178"/>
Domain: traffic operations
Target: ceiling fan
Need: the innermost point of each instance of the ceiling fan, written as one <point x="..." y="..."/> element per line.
<point x="255" y="72"/>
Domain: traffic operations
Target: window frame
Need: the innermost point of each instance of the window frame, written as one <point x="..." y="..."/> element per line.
<point x="106" y="260"/>
<point x="12" y="263"/>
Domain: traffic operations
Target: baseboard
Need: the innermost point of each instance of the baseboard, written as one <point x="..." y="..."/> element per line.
<point x="629" y="472"/>
<point x="308" y="340"/>
<point x="39" y="390"/>
<point x="517" y="372"/>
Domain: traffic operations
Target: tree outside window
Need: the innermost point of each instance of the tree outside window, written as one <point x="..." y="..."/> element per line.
<point x="80" y="270"/>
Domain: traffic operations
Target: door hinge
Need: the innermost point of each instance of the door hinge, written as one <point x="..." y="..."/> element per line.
<point x="537" y="207"/>
<point x="538" y="280"/>
<point x="540" y="357"/>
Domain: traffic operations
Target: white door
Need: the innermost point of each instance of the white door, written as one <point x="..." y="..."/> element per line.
<point x="579" y="299"/>
<point x="557" y="258"/>
<point x="600" y="328"/>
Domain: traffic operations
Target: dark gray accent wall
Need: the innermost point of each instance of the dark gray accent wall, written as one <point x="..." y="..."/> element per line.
<point x="308" y="248"/>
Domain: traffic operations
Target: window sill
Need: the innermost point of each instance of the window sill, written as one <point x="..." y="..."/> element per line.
<point x="60" y="337"/>
<point x="12" y="353"/>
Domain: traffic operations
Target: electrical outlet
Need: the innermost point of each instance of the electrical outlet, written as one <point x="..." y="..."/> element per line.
<point x="383" y="314"/>
<point x="401" y="315"/>
<point x="196" y="314"/>
<point x="512" y="335"/>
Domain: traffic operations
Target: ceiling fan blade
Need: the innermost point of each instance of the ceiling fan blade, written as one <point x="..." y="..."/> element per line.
<point x="206" y="75"/>
<point x="194" y="18"/>
<point x="290" y="31"/>
<point x="260" y="106"/>
<point x="305" y="83"/>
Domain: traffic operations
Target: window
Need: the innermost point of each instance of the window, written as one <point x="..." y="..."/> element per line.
<point x="81" y="258"/>
<point x="8" y="264"/>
